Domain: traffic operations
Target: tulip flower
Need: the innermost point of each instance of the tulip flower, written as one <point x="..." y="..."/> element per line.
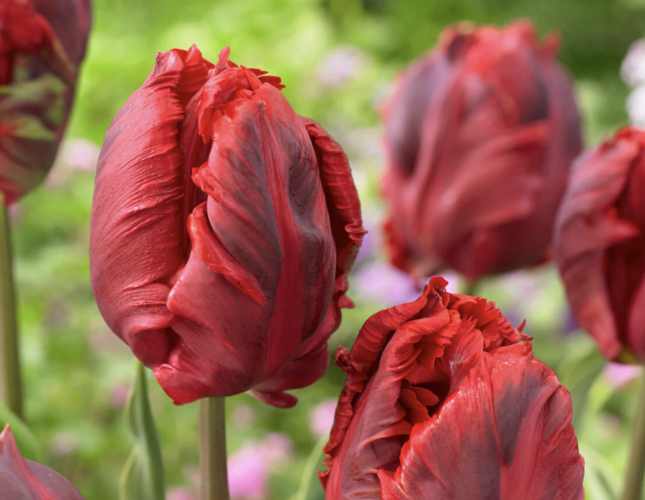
<point x="600" y="244"/>
<point x="22" y="479"/>
<point x="444" y="400"/>
<point x="480" y="136"/>
<point x="42" y="43"/>
<point x="223" y="228"/>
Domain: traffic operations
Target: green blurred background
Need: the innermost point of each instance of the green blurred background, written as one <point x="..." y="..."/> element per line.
<point x="338" y="59"/>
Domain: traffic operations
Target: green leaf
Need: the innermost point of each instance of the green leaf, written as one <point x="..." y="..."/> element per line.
<point x="577" y="372"/>
<point x="27" y="443"/>
<point x="142" y="477"/>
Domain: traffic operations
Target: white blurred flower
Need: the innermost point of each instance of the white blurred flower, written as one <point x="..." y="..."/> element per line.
<point x="632" y="69"/>
<point x="636" y="106"/>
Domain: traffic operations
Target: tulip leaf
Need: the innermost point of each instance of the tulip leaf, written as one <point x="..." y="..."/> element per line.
<point x="577" y="372"/>
<point x="26" y="441"/>
<point x="143" y="476"/>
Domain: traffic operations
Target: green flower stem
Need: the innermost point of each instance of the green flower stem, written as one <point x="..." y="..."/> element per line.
<point x="636" y="465"/>
<point x="10" y="379"/>
<point x="212" y="449"/>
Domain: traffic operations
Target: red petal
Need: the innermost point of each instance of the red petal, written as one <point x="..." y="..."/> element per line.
<point x="586" y="227"/>
<point x="137" y="231"/>
<point x="22" y="479"/>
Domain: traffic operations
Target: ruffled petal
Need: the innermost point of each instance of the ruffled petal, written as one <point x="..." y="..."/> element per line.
<point x="506" y="433"/>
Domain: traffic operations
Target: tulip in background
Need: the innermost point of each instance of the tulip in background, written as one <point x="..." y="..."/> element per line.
<point x="223" y="228"/>
<point x="42" y="43"/>
<point x="600" y="244"/>
<point x="444" y="400"/>
<point x="22" y="479"/>
<point x="480" y="135"/>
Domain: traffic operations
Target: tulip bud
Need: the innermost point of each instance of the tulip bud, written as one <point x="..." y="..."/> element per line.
<point x="444" y="400"/>
<point x="22" y="479"/>
<point x="42" y="43"/>
<point x="223" y="229"/>
<point x="600" y="244"/>
<point x="480" y="136"/>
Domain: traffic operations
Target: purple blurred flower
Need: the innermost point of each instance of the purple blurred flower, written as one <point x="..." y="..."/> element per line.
<point x="341" y="65"/>
<point x="619" y="375"/>
<point x="384" y="284"/>
<point x="251" y="465"/>
<point x="321" y="418"/>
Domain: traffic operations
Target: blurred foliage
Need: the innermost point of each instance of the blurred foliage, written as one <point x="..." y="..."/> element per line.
<point x="338" y="59"/>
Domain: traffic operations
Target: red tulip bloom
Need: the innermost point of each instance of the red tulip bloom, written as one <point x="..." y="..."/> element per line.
<point x="443" y="400"/>
<point x="480" y="137"/>
<point x="223" y="229"/>
<point x="600" y="243"/>
<point x="42" y="43"/>
<point x="22" y="479"/>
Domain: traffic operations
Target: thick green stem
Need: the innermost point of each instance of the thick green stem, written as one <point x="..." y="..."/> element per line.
<point x="10" y="379"/>
<point x="636" y="465"/>
<point x="212" y="449"/>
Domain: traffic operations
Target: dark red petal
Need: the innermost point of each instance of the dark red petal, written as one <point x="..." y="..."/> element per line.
<point x="47" y="39"/>
<point x="262" y="250"/>
<point x="506" y="433"/>
<point x="137" y="230"/>
<point x="586" y="227"/>
<point x="480" y="136"/>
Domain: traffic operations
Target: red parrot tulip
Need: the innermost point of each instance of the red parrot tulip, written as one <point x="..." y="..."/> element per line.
<point x="22" y="479"/>
<point x="600" y="244"/>
<point x="444" y="400"/>
<point x="480" y="136"/>
<point x="223" y="229"/>
<point x="42" y="43"/>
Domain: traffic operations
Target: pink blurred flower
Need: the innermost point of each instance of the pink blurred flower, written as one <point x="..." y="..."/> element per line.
<point x="321" y="418"/>
<point x="179" y="493"/>
<point x="63" y="443"/>
<point x="619" y="375"/>
<point x="341" y="65"/>
<point x="74" y="155"/>
<point x="243" y="417"/>
<point x="251" y="465"/>
<point x="119" y="394"/>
